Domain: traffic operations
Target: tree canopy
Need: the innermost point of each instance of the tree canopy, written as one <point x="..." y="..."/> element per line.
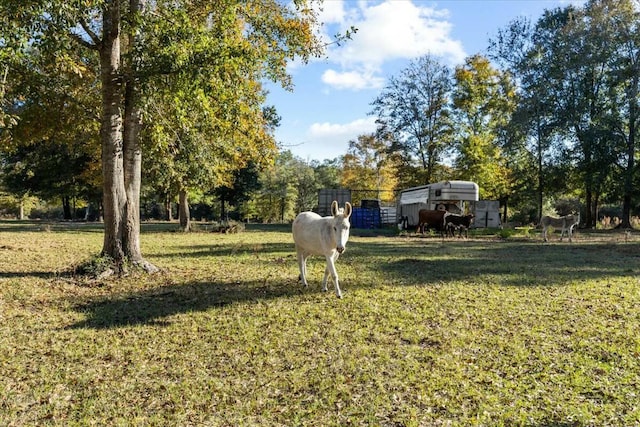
<point x="578" y="75"/>
<point x="212" y="52"/>
<point x="551" y="114"/>
<point x="415" y="107"/>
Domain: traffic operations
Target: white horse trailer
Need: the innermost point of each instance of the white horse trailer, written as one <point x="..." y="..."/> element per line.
<point x="487" y="214"/>
<point x="445" y="195"/>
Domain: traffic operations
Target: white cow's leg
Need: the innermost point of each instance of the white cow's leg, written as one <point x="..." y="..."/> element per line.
<point x="544" y="233"/>
<point x="562" y="233"/>
<point x="326" y="276"/>
<point x="327" y="271"/>
<point x="302" y="265"/>
<point x="331" y="269"/>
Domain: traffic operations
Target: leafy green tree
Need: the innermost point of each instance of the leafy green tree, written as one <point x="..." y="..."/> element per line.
<point x="368" y="166"/>
<point x="577" y="78"/>
<point x="578" y="71"/>
<point x="484" y="99"/>
<point x="190" y="152"/>
<point x="291" y="185"/>
<point x="277" y="199"/>
<point x="51" y="149"/>
<point x="618" y="22"/>
<point x="327" y="173"/>
<point x="246" y="180"/>
<point x="245" y="183"/>
<point x="52" y="170"/>
<point x="136" y="43"/>
<point x="306" y="187"/>
<point x="415" y="108"/>
<point x="533" y="123"/>
<point x="209" y="127"/>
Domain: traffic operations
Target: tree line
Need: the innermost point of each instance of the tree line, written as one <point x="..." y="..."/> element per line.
<point x="107" y="101"/>
<point x="178" y="80"/>
<point x="546" y="121"/>
<point x="548" y="117"/>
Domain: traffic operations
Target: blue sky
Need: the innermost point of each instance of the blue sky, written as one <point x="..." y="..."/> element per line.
<point x="331" y="99"/>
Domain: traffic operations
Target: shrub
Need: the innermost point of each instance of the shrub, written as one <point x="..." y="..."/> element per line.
<point x="95" y="267"/>
<point x="228" y="227"/>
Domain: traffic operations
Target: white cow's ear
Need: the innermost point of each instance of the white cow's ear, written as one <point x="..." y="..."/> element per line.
<point x="347" y="210"/>
<point x="334" y="208"/>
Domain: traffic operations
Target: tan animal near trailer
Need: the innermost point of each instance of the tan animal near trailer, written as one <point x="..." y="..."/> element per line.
<point x="565" y="223"/>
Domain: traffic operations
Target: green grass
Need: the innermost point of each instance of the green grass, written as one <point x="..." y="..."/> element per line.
<point x="494" y="330"/>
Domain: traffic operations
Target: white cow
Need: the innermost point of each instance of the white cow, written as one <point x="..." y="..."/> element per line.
<point x="316" y="235"/>
<point x="566" y="223"/>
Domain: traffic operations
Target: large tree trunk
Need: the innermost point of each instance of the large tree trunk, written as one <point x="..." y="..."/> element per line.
<point x="588" y="220"/>
<point x="594" y="216"/>
<point x="114" y="195"/>
<point x="183" y="212"/>
<point x="121" y="152"/>
<point x="133" y="178"/>
<point x="133" y="161"/>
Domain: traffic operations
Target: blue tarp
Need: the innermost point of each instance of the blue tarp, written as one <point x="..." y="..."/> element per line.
<point x="365" y="218"/>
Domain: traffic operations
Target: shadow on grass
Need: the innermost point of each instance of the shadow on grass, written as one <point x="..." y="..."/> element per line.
<point x="502" y="262"/>
<point x="25" y="274"/>
<point x="153" y="307"/>
<point x="35" y="226"/>
<point x="14" y="226"/>
<point x="396" y="262"/>
<point x="229" y="249"/>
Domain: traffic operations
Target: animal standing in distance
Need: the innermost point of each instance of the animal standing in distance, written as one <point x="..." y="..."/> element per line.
<point x="462" y="223"/>
<point x="432" y="219"/>
<point x="566" y="223"/>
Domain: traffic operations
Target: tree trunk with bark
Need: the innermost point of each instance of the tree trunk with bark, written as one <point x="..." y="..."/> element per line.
<point x="631" y="152"/>
<point x="121" y="152"/>
<point x="66" y="208"/>
<point x="167" y="206"/>
<point x="540" y="171"/>
<point x="114" y="196"/>
<point x="223" y="213"/>
<point x="505" y="202"/>
<point x="594" y="215"/>
<point x="184" y="214"/>
<point x="588" y="211"/>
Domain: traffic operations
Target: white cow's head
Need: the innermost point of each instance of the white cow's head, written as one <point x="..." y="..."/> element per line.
<point x="341" y="224"/>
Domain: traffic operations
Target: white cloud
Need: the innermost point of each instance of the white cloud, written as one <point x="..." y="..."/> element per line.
<point x="387" y="31"/>
<point x="323" y="131"/>
<point x="331" y="12"/>
<point x="330" y="140"/>
<point x="355" y="80"/>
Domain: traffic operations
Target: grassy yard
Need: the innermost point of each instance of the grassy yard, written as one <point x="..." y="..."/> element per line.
<point x="485" y="331"/>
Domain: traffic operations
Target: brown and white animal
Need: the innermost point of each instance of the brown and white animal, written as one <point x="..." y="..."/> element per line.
<point x="566" y="223"/>
<point x="458" y="222"/>
<point x="431" y="219"/>
<point x="316" y="235"/>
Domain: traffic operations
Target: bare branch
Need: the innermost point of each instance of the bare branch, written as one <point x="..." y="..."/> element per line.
<point x="94" y="37"/>
<point x="83" y="42"/>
